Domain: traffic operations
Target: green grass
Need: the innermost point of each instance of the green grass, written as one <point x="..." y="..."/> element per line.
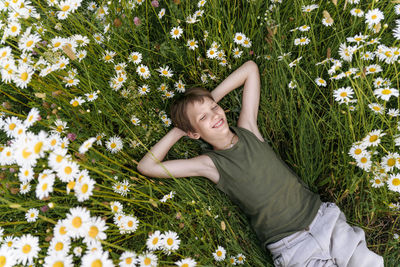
<point x="305" y="126"/>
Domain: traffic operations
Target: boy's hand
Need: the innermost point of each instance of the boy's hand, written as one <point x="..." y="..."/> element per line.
<point x="179" y="131"/>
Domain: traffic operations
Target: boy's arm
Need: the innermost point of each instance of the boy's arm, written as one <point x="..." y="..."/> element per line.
<point x="150" y="164"/>
<point x="248" y="75"/>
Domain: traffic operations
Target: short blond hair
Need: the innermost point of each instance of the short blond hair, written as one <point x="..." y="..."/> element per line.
<point x="179" y="108"/>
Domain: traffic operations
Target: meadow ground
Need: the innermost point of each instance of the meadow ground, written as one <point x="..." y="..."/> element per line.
<point x="86" y="89"/>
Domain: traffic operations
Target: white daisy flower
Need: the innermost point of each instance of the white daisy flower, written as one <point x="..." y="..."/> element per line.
<point x="357" y="12"/>
<point x="170" y="242"/>
<point x="180" y="86"/>
<point x="304" y="28"/>
<point x="201" y="3"/>
<point x="377" y="108"/>
<point x="84" y="189"/>
<point x="128" y="259"/>
<point x="394" y="182"/>
<point x="116" y="207"/>
<point x="67" y="170"/>
<point x="97" y="258"/>
<point x="32" y="117"/>
<point x="135" y="57"/>
<point x="148" y="259"/>
<point x="301" y="41"/>
<point x="343" y="94"/>
<point x="373" y="17"/>
<point x="211" y="53"/>
<point x="161" y="13"/>
<point x="27" y="248"/>
<point x="154" y="241"/>
<point x="377" y="181"/>
<point x="239" y="38"/>
<point x="56" y="260"/>
<point x="59" y="246"/>
<point x="96" y="228"/>
<point x="357" y="150"/>
<point x="386" y="92"/>
<point x="176" y="32"/>
<point x="364" y="161"/>
<point x="236" y="53"/>
<point x="192" y="44"/>
<point x="389" y="161"/>
<point x="31" y="215"/>
<point x="114" y="144"/>
<point x="187" y="262"/>
<point x="346" y="52"/>
<point x="91" y="96"/>
<point x="165" y="71"/>
<point x="240" y="258"/>
<point x="77" y="222"/>
<point x="143" y="71"/>
<point x="219" y="254"/>
<point x="44" y="187"/>
<point x="144" y="89"/>
<point x="374" y="68"/>
<point x="86" y="145"/>
<point x="25" y="188"/>
<point x="321" y="82"/>
<point x="60" y="229"/>
<point x="129" y="224"/>
<point x="309" y="8"/>
<point x="8" y="256"/>
<point x="373" y="138"/>
<point x="392" y="112"/>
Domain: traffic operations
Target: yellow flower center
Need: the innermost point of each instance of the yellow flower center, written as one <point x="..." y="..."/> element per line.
<point x="170" y="241"/>
<point x="128" y="260"/>
<point x="113" y="145"/>
<point x="12" y="126"/>
<point x="38" y="147"/>
<point x="396" y="182"/>
<point x="44" y="187"/>
<point x="93" y="231"/>
<point x="25" y="154"/>
<point x="26" y="249"/>
<point x="176" y="32"/>
<point x="77" y="222"/>
<point x="373" y="138"/>
<point x="65" y="8"/>
<point x="97" y="263"/>
<point x="85" y="188"/>
<point x="219" y="253"/>
<point x="68" y="170"/>
<point x="75" y="103"/>
<point x="364" y="160"/>
<point x="343" y="94"/>
<point x="108" y="57"/>
<point x="130" y="223"/>
<point x="29" y="43"/>
<point x="24" y="76"/>
<point x="386" y="91"/>
<point x="59" y="246"/>
<point x="374" y="16"/>
<point x="58" y="264"/>
<point x="63" y="230"/>
<point x="147" y="261"/>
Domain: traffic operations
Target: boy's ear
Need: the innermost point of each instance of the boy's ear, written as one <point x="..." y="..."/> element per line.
<point x="193" y="135"/>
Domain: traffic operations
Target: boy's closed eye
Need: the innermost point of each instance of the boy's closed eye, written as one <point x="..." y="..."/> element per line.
<point x="215" y="107"/>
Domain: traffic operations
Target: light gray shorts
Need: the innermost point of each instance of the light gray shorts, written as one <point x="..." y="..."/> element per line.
<point x="328" y="241"/>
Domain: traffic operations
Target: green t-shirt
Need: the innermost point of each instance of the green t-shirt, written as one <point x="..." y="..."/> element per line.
<point x="277" y="202"/>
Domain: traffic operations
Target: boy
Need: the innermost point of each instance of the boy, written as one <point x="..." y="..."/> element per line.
<point x="289" y="219"/>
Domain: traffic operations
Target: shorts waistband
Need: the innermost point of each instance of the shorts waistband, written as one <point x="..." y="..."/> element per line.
<point x="286" y="242"/>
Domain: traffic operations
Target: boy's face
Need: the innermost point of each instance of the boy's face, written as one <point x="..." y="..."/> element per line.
<point x="206" y="118"/>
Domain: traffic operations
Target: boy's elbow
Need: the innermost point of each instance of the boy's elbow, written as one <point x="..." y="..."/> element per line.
<point x="141" y="168"/>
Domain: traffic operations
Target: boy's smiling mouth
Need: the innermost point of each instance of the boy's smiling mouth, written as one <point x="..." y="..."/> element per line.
<point x="219" y="123"/>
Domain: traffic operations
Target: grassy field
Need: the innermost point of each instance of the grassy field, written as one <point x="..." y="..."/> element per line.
<point x="86" y="89"/>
